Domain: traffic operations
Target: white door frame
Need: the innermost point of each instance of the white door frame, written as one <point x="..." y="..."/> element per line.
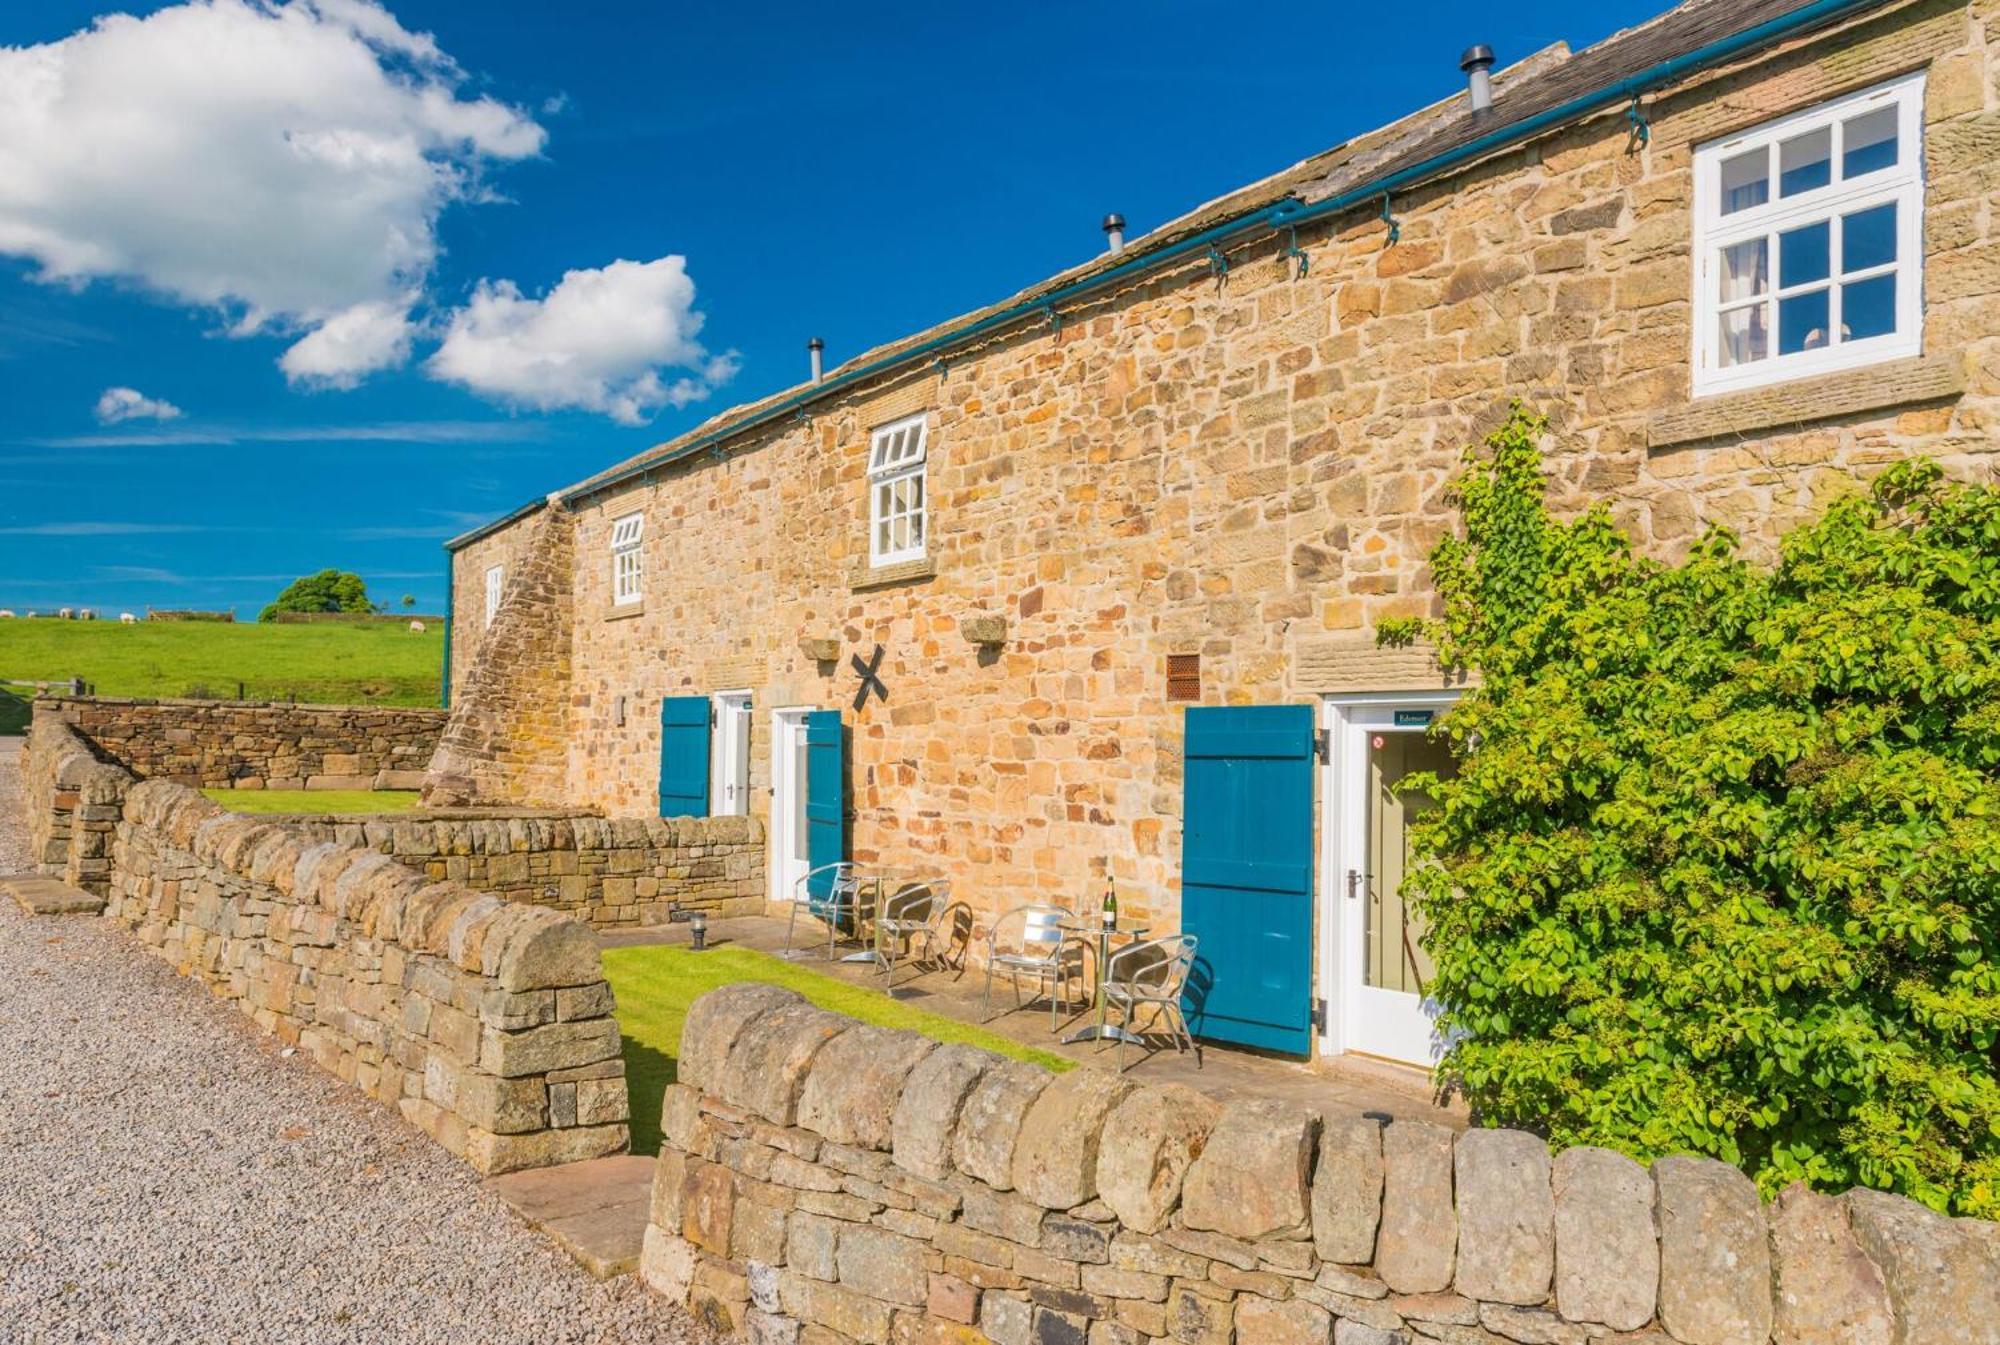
<point x="1343" y="839"/>
<point x="785" y="721"/>
<point x="727" y="754"/>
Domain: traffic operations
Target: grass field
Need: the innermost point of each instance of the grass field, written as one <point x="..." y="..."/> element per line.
<point x="381" y="663"/>
<point x="656" y="983"/>
<point x="355" y="802"/>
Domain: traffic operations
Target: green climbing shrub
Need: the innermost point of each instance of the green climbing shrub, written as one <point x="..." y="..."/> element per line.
<point x="1720" y="872"/>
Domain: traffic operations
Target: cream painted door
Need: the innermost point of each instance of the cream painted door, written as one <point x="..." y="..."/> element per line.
<point x="789" y="861"/>
<point x="729" y="760"/>
<point x="1383" y="972"/>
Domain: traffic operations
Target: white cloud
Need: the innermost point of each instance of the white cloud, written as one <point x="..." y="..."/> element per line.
<point x="350" y="345"/>
<point x="602" y="340"/>
<point x="117" y="405"/>
<point x="282" y="161"/>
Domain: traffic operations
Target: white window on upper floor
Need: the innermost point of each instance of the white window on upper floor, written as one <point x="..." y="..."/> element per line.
<point x="628" y="567"/>
<point x="896" y="512"/>
<point x="1809" y="241"/>
<point x="496" y="580"/>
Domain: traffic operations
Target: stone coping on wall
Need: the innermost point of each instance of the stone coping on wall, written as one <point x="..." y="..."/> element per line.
<point x="203" y="703"/>
<point x="486" y="1023"/>
<point x="823" y="1181"/>
<point x="74" y="804"/>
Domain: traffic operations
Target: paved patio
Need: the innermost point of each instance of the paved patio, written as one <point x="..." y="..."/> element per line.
<point x="1343" y="1085"/>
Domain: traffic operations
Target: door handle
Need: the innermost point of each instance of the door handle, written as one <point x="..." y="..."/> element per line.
<point x="1355" y="879"/>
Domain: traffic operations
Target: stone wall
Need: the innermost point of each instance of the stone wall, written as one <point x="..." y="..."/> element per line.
<point x="613" y="873"/>
<point x="74" y="802"/>
<point x="486" y="1023"/>
<point x="1252" y="468"/>
<point x="255" y="744"/>
<point x="507" y="738"/>
<point x="823" y="1181"/>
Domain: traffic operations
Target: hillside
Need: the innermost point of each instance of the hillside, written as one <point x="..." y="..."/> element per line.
<point x="382" y="663"/>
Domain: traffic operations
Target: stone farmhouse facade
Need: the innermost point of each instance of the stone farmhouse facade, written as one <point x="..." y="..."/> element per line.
<point x="1741" y="256"/>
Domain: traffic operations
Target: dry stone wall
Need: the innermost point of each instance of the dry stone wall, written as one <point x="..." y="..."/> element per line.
<point x="486" y="1023"/>
<point x="822" y="1181"/>
<point x="612" y="873"/>
<point x="254" y="744"/>
<point x="74" y="803"/>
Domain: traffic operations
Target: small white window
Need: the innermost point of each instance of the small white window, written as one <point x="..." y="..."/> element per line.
<point x="496" y="580"/>
<point x="628" y="568"/>
<point x="896" y="512"/>
<point x="1809" y="241"/>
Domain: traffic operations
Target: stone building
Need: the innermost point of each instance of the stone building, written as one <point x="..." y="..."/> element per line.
<point x="1112" y="552"/>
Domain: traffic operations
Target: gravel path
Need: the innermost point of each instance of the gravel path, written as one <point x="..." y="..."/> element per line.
<point x="166" y="1175"/>
<point x="13" y="830"/>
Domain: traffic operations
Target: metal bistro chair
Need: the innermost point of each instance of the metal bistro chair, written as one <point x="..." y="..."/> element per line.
<point x="1034" y="940"/>
<point x="909" y="916"/>
<point x="1152" y="974"/>
<point x="840" y="905"/>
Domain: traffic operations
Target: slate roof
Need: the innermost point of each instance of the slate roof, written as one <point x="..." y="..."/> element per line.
<point x="1534" y="85"/>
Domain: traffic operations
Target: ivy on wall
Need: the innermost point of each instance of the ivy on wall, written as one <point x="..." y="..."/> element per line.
<point x="1721" y="870"/>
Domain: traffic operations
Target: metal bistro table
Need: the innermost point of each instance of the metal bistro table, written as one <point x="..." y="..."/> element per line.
<point x="871" y="915"/>
<point x="1104" y="1029"/>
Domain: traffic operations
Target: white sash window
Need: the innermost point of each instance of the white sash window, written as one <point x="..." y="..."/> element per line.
<point x="496" y="581"/>
<point x="896" y="509"/>
<point x="628" y="569"/>
<point x="1809" y="241"/>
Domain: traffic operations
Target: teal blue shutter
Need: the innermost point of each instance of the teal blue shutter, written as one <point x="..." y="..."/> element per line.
<point x="684" y="756"/>
<point x="1247" y="874"/>
<point x="826" y="797"/>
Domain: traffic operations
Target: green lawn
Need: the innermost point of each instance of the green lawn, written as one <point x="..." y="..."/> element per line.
<point x="655" y="985"/>
<point x="315" y="800"/>
<point x="380" y="663"/>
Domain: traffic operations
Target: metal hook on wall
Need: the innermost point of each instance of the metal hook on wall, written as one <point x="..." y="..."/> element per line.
<point x="1395" y="225"/>
<point x="1642" y="130"/>
<point x="1218" y="265"/>
<point x="1293" y="250"/>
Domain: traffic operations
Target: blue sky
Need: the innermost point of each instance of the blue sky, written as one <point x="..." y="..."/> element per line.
<point x="284" y="287"/>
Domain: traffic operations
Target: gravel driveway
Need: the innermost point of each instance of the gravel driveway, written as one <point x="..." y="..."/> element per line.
<point x="167" y="1175"/>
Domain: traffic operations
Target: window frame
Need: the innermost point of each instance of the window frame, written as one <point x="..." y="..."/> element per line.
<point x="897" y="452"/>
<point x="628" y="561"/>
<point x="496" y="586"/>
<point x="1901" y="184"/>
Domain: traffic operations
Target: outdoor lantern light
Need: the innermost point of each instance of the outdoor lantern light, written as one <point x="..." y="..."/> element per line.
<point x="698" y="928"/>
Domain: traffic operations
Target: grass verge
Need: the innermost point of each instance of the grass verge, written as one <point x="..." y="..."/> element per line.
<point x="379" y="664"/>
<point x="357" y="801"/>
<point x="656" y="983"/>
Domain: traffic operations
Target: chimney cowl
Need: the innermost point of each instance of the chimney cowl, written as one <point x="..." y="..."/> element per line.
<point x="1477" y="62"/>
<point x="1114" y="231"/>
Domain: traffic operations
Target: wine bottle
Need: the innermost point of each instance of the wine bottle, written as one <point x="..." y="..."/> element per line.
<point x="1110" y="903"/>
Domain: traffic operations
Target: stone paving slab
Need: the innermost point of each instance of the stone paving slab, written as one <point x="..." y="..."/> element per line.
<point x="47" y="896"/>
<point x="595" y="1210"/>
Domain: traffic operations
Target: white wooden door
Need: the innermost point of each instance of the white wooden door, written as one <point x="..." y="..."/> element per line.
<point x="1381" y="970"/>
<point x="729" y="757"/>
<point x="789" y="861"/>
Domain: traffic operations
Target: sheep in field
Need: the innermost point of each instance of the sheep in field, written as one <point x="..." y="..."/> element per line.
<point x="418" y="627"/>
<point x="127" y="619"/>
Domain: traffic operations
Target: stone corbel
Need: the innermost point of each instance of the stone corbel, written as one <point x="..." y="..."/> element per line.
<point x="821" y="649"/>
<point x="984" y="631"/>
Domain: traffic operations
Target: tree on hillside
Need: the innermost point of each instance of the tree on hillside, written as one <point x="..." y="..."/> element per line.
<point x="409" y="600"/>
<point x="327" y="591"/>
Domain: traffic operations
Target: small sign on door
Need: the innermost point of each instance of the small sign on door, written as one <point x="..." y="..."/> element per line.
<point x="1414" y="719"/>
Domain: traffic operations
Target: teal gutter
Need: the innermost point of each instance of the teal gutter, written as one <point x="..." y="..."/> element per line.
<point x="1289" y="212"/>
